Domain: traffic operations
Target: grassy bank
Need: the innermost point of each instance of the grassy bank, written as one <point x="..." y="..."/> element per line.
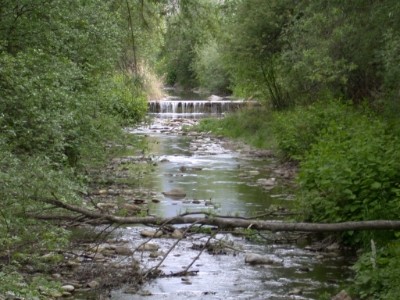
<point x="252" y="126"/>
<point x="349" y="171"/>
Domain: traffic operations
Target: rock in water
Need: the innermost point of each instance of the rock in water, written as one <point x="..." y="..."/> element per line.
<point x="175" y="193"/>
<point x="257" y="259"/>
<point x="148" y="247"/>
<point x="267" y="182"/>
<point x="151" y="233"/>
<point x="123" y="250"/>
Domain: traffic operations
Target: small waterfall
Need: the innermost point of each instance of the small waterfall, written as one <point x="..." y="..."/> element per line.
<point x="195" y="106"/>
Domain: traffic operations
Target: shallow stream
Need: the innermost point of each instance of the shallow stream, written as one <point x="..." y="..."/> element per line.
<point x="223" y="179"/>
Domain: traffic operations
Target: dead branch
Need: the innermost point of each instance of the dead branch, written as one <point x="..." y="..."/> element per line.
<point x="232" y="222"/>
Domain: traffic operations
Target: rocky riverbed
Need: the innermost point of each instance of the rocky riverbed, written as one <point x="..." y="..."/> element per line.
<point x="196" y="173"/>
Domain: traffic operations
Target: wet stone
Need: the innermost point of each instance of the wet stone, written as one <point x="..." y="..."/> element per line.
<point x="123" y="250"/>
<point x="151" y="233"/>
<point x="148" y="247"/>
<point x="257" y="259"/>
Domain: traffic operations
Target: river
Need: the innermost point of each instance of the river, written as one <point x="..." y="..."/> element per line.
<point x="220" y="178"/>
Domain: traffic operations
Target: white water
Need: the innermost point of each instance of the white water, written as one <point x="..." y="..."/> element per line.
<point x="194" y="106"/>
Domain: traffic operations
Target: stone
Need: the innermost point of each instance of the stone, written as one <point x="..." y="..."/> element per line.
<point x="267" y="181"/>
<point x="93" y="284"/>
<point x="68" y="288"/>
<point x="154" y="254"/>
<point x="196" y="201"/>
<point x="155" y="200"/>
<point x="151" y="233"/>
<point x="148" y="247"/>
<point x="254" y="173"/>
<point x="56" y="275"/>
<point x="342" y="296"/>
<point x="333" y="247"/>
<point x="296" y="291"/>
<point x="257" y="259"/>
<point x="73" y="263"/>
<point x="175" y="193"/>
<point x="177" y="234"/>
<point x="139" y="201"/>
<point x="105" y="206"/>
<point x="123" y="250"/>
<point x="131" y="208"/>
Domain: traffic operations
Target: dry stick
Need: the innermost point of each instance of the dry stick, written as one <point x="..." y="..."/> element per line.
<point x="168" y="252"/>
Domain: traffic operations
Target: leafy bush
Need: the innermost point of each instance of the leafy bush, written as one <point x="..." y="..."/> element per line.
<point x="378" y="273"/>
<point x="127" y="99"/>
<point x="297" y="130"/>
<point x="352" y="172"/>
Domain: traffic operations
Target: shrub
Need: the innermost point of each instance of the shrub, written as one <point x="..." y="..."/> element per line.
<point x="352" y="172"/>
<point x="127" y="98"/>
<point x="297" y="130"/>
<point x="378" y="273"/>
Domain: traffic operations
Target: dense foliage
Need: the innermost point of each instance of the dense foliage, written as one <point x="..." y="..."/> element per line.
<point x="66" y="87"/>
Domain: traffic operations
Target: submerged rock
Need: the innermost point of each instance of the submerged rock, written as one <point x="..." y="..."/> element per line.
<point x="257" y="259"/>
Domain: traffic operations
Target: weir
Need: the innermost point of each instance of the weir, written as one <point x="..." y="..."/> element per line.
<point x="196" y="106"/>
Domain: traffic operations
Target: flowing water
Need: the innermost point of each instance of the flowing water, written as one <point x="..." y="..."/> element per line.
<point x="217" y="178"/>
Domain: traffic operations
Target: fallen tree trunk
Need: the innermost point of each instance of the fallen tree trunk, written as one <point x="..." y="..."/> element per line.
<point x="230" y="222"/>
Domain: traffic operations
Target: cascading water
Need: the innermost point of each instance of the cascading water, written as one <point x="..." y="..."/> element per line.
<point x="195" y="106"/>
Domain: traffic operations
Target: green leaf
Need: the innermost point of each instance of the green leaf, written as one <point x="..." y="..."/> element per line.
<point x="376" y="185"/>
